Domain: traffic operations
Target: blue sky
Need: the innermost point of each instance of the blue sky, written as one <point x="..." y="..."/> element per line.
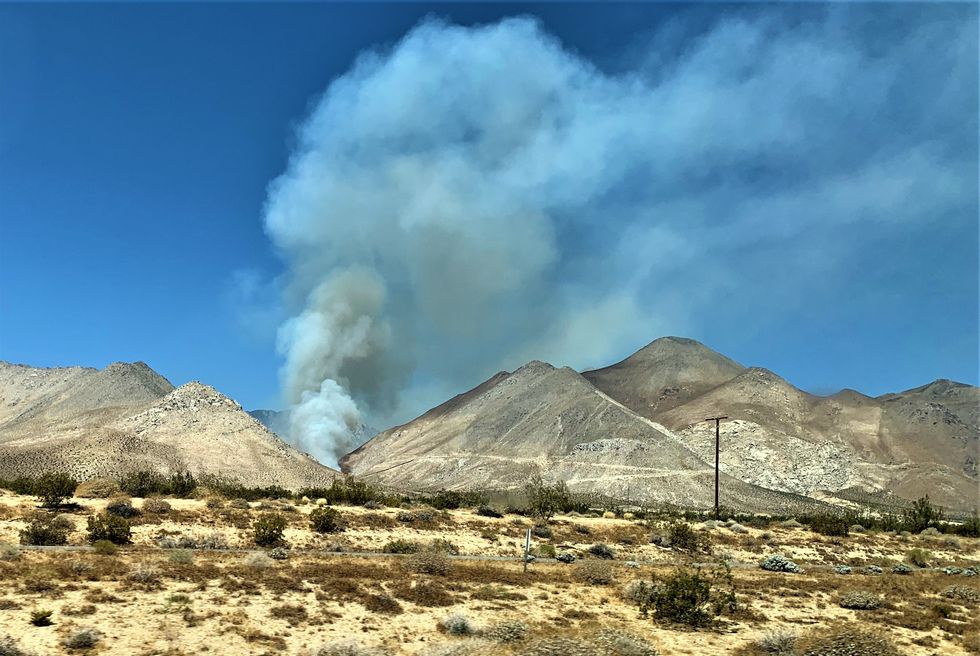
<point x="137" y="144"/>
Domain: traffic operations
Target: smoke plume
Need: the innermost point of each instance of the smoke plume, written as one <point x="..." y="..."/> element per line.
<point x="474" y="197"/>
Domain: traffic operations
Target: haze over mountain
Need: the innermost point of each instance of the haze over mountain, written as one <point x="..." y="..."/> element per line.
<point x="637" y="429"/>
<point x="127" y="417"/>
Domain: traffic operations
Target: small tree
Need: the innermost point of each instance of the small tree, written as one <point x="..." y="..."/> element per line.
<point x="922" y="515"/>
<point x="268" y="529"/>
<point x="53" y="489"/>
<point x="544" y="500"/>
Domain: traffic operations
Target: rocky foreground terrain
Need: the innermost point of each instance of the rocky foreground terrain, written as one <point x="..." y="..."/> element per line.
<point x="408" y="579"/>
<point x="105" y="423"/>
<point x="636" y="430"/>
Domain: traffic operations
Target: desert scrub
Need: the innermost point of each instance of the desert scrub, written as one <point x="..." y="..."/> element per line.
<point x="105" y="526"/>
<point x="602" y="551"/>
<point x="9" y="552"/>
<point x="511" y="631"/>
<point x="45" y="529"/>
<point x="488" y="511"/>
<point x="10" y="647"/>
<point x="259" y="560"/>
<point x="681" y="537"/>
<point x="82" y="639"/>
<point x="430" y="562"/>
<point x="41" y="617"/>
<point x="779" y="563"/>
<point x="54" y="489"/>
<point x="775" y="643"/>
<point x="859" y="600"/>
<point x="326" y="520"/>
<point x="97" y="488"/>
<point x="144" y="575"/>
<point x="831" y="524"/>
<point x="156" y="506"/>
<point x="105" y="548"/>
<point x="845" y="640"/>
<point x="348" y="648"/>
<point x="181" y="557"/>
<point x="121" y="507"/>
<point x="278" y="553"/>
<point x="902" y="569"/>
<point x="594" y="572"/>
<point x="614" y="642"/>
<point x="268" y="529"/>
<point x="919" y="557"/>
<point x="690" y="597"/>
<point x="962" y="593"/>
<point x="457" y="624"/>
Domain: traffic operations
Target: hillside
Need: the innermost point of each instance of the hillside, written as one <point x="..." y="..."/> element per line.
<point x="127" y="417"/>
<point x="921" y="441"/>
<point x="541" y="419"/>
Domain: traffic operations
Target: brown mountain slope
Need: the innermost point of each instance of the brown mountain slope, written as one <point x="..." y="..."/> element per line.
<point x="126" y="417"/>
<point x="663" y="374"/>
<point x="920" y="441"/>
<point x="540" y="419"/>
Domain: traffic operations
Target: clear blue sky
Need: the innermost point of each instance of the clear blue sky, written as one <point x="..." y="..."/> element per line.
<point x="137" y="142"/>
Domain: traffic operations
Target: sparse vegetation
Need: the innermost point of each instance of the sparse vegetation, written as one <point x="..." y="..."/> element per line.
<point x="108" y="527"/>
<point x="267" y="531"/>
<point x="691" y="597"/>
<point x="44" y="529"/>
<point x="82" y="639"/>
<point x="326" y="520"/>
<point x="54" y="489"/>
<point x="42" y="617"/>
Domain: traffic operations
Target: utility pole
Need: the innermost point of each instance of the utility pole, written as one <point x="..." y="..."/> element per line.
<point x="717" y="421"/>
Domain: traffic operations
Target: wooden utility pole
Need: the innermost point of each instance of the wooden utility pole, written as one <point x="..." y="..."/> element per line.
<point x="717" y="421"/>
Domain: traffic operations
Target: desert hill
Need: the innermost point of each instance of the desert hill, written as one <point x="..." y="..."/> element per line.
<point x="666" y="373"/>
<point x="921" y="441"/>
<point x="127" y="417"/>
<point x="636" y="429"/>
<point x="542" y="419"/>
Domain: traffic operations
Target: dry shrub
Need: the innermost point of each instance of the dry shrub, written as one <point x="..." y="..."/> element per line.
<point x="860" y="600"/>
<point x="382" y="603"/>
<point x="348" y="648"/>
<point x="845" y="640"/>
<point x="294" y="614"/>
<point x="97" y="488"/>
<point x="429" y="562"/>
<point x="82" y="639"/>
<point x="424" y="593"/>
<point x="10" y="647"/>
<point x="156" y="506"/>
<point x="594" y="572"/>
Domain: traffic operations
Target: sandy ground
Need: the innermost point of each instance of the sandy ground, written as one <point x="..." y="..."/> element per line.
<point x="225" y="603"/>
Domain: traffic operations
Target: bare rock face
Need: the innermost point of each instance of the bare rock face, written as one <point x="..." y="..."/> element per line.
<point x="103" y="423"/>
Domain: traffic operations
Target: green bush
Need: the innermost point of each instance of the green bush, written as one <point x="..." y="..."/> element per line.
<point x="689" y="597"/>
<point x="831" y="524"/>
<point x="602" y="551"/>
<point x="268" y="529"/>
<point x="684" y="538"/>
<point x="105" y="548"/>
<point x="142" y="483"/>
<point x="46" y="530"/>
<point x="350" y="491"/>
<point x="487" y="511"/>
<point x="106" y="526"/>
<point x="922" y="515"/>
<point x="53" y="489"/>
<point x="326" y="520"/>
<point x="544" y="500"/>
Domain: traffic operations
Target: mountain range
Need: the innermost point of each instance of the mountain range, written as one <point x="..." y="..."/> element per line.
<point x="633" y="431"/>
<point x="126" y="417"/>
<point x="637" y="429"/>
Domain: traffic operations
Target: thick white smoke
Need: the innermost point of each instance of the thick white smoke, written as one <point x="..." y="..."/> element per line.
<point x="476" y="197"/>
